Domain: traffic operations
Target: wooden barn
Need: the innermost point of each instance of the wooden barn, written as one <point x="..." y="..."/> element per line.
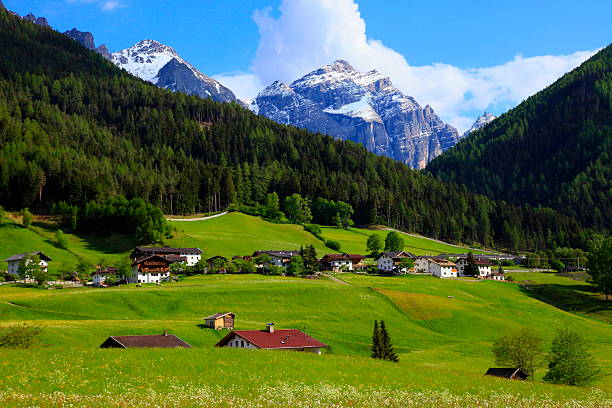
<point x="509" y="373"/>
<point x="220" y="321"/>
<point x="150" y="341"/>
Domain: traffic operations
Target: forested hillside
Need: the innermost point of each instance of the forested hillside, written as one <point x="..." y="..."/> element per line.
<point x="554" y="149"/>
<point x="73" y="127"/>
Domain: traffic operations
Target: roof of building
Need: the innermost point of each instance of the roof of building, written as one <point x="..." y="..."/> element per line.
<point x="278" y="254"/>
<point x="20" y="257"/>
<point x="341" y="257"/>
<point x="507" y="372"/>
<point x="156" y="340"/>
<point x="442" y="262"/>
<point x="279" y="339"/>
<point x="167" y="250"/>
<point x="478" y="261"/>
<point x="106" y="271"/>
<point x="146" y="258"/>
<point x="395" y="255"/>
<point x="219" y="315"/>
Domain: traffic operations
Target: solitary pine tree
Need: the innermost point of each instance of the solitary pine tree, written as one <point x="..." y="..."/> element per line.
<point x="376" y="349"/>
<point x="386" y="347"/>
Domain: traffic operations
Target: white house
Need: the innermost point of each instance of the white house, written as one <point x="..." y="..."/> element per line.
<point x="484" y="267"/>
<point x="152" y="269"/>
<point x="337" y="262"/>
<point x="99" y="276"/>
<point x="15" y="261"/>
<point x="436" y="267"/>
<point x="271" y="339"/>
<point x="390" y="261"/>
<point x="498" y="276"/>
<point x="191" y="255"/>
<point x="278" y="258"/>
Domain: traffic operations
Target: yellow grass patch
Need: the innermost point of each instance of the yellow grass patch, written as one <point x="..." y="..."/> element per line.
<point x="420" y="306"/>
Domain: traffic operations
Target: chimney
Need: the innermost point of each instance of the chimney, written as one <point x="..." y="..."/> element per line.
<point x="270" y="327"/>
<point x="165" y="334"/>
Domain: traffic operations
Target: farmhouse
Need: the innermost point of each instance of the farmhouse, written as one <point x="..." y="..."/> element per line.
<point x="191" y="255"/>
<point x="220" y="321"/>
<point x="484" y="266"/>
<point x="278" y="258"/>
<point x="436" y="266"/>
<point x="152" y="269"/>
<point x="271" y="339"/>
<point x="499" y="276"/>
<point x="15" y="260"/>
<point x="99" y="276"/>
<point x="509" y="373"/>
<point x="390" y="261"/>
<point x="336" y="262"/>
<point x="150" y="341"/>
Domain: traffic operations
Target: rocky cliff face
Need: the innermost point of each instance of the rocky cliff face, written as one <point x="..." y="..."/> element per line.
<point x="482" y="121"/>
<point x="162" y="66"/>
<point x="33" y="19"/>
<point x="86" y="39"/>
<point x="363" y="107"/>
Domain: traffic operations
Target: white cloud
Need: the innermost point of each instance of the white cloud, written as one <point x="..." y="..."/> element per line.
<point x="110" y="5"/>
<point x="245" y="85"/>
<point x="105" y="5"/>
<point x="310" y="33"/>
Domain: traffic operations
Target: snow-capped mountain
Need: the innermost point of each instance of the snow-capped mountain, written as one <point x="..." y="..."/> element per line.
<point x="482" y="120"/>
<point x="363" y="107"/>
<point x="86" y="39"/>
<point x="162" y="66"/>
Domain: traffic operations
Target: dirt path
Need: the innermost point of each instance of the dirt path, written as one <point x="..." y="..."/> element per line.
<point x="197" y="219"/>
<point x="438" y="241"/>
<point x="333" y="278"/>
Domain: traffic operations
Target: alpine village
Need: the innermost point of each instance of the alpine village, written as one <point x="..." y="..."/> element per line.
<point x="328" y="242"/>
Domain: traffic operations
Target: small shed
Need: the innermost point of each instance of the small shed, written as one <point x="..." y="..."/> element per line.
<point x="220" y="321"/>
<point x="149" y="341"/>
<point x="508" y="373"/>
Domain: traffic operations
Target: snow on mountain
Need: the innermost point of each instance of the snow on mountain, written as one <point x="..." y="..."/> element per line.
<point x="363" y="107"/>
<point x="482" y="120"/>
<point x="161" y="65"/>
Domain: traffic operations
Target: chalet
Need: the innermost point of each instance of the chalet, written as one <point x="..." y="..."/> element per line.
<point x="337" y="262"/>
<point x="220" y="321"/>
<point x="509" y="373"/>
<point x="150" y="341"/>
<point x="15" y="260"/>
<point x="152" y="269"/>
<point x="278" y="258"/>
<point x="390" y="261"/>
<point x="498" y="276"/>
<point x="484" y="266"/>
<point x="436" y="266"/>
<point x="99" y="276"/>
<point x="191" y="255"/>
<point x="271" y="339"/>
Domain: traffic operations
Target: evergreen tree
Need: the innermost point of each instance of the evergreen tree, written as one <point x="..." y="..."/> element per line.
<point x="599" y="264"/>
<point x="386" y="346"/>
<point x="272" y="206"/>
<point x="296" y="266"/>
<point x="375" y="348"/>
<point x="374" y="244"/>
<point x="569" y="362"/>
<point x="470" y="269"/>
<point x="394" y="242"/>
<point x="26" y="217"/>
<point x="60" y="239"/>
<point x="311" y="262"/>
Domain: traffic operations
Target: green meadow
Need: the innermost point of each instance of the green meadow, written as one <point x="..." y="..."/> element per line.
<point x="443" y="343"/>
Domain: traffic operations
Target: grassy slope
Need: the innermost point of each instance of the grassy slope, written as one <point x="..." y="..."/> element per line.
<point x="446" y="340"/>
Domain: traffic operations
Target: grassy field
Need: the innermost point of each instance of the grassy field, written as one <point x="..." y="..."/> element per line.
<point x="443" y="343"/>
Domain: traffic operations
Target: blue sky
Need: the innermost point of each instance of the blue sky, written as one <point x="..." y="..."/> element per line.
<point x="460" y="57"/>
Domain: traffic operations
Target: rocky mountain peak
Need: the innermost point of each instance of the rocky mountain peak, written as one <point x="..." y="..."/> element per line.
<point x="363" y="107"/>
<point x="85" y="38"/>
<point x="41" y="21"/>
<point x="481" y="122"/>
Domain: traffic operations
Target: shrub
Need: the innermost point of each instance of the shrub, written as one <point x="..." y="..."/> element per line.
<point x="519" y="349"/>
<point x="22" y="336"/>
<point x="60" y="239"/>
<point x="314" y="229"/>
<point x="335" y="245"/>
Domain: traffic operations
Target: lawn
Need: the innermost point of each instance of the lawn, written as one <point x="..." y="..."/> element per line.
<point x="444" y="343"/>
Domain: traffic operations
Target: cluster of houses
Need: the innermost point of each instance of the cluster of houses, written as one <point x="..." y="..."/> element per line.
<point x="154" y="264"/>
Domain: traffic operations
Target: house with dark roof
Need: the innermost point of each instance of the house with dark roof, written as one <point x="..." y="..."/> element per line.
<point x="164" y="340"/>
<point x="272" y="339"/>
<point x="390" y="261"/>
<point x="278" y="258"/>
<point x="191" y="256"/>
<point x="152" y="269"/>
<point x="337" y="262"/>
<point x="16" y="260"/>
<point x="508" y="373"/>
<point x="220" y="321"/>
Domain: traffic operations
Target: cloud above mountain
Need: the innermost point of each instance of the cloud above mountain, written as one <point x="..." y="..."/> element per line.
<point x="310" y="33"/>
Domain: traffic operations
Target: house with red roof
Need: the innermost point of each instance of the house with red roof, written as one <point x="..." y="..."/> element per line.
<point x="337" y="262"/>
<point x="272" y="339"/>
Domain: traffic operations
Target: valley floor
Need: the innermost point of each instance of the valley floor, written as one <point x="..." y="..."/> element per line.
<point x="443" y="343"/>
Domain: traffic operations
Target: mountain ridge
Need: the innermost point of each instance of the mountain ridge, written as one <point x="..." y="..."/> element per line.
<point x="363" y="107"/>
